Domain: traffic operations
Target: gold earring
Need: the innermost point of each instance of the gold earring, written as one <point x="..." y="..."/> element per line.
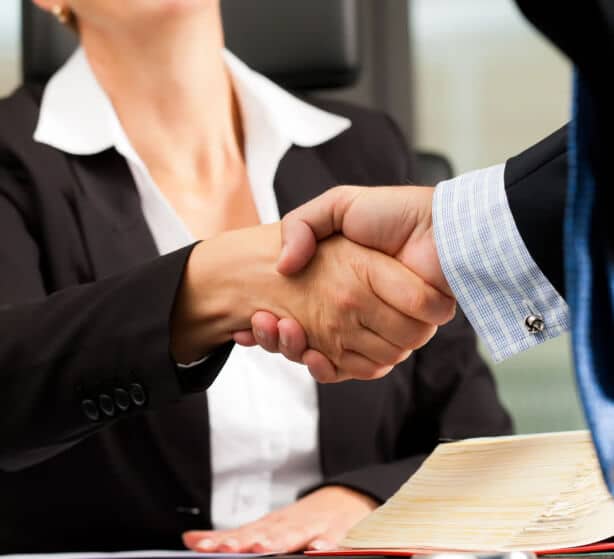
<point x="62" y="13"/>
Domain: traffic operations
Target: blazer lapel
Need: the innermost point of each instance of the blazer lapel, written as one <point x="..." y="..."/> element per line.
<point x="115" y="231"/>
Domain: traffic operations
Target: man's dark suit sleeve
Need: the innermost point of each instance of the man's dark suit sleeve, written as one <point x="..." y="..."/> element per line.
<point x="536" y="187"/>
<point x="57" y="350"/>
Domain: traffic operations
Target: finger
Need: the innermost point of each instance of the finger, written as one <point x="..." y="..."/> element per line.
<point x="396" y="327"/>
<point x="292" y="339"/>
<point x="320" y="367"/>
<point x="328" y="540"/>
<point x="221" y="541"/>
<point x="245" y="338"/>
<point x="251" y="537"/>
<point x="314" y="221"/>
<point x="356" y="366"/>
<point x="405" y="291"/>
<point x="374" y="347"/>
<point x="351" y="366"/>
<point x="231" y="544"/>
<point x="320" y="544"/>
<point x="264" y="327"/>
<point x="266" y="535"/>
<point x="201" y="540"/>
<point x="263" y="544"/>
<point x="242" y="539"/>
<point x="287" y="538"/>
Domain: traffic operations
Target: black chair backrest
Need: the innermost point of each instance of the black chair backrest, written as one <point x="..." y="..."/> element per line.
<point x="301" y="44"/>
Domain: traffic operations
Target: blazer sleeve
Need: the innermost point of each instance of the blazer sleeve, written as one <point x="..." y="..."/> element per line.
<point x="61" y="352"/>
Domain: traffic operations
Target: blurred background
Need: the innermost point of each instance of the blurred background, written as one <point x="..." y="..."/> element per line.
<point x="486" y="87"/>
<point x="478" y="86"/>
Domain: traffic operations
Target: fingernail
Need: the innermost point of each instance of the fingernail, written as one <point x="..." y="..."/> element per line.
<point x="205" y="544"/>
<point x="260" y="335"/>
<point x="283" y="253"/>
<point x="262" y="544"/>
<point x="321" y="545"/>
<point x="283" y="339"/>
<point x="230" y="544"/>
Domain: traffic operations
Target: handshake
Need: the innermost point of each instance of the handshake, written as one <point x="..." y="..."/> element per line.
<point x="366" y="267"/>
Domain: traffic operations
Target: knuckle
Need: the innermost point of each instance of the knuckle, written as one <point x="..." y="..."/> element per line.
<point x="376" y="372"/>
<point x="342" y="190"/>
<point x="416" y="300"/>
<point x="424" y="336"/>
<point x="332" y="342"/>
<point x="451" y="312"/>
<point x="404" y="356"/>
<point x="363" y="370"/>
<point x="294" y="536"/>
<point x="400" y="356"/>
<point x="347" y="301"/>
<point x="420" y="335"/>
<point x="382" y="372"/>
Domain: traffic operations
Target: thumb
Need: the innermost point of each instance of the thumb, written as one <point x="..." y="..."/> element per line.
<point x="298" y="245"/>
<point x="303" y="227"/>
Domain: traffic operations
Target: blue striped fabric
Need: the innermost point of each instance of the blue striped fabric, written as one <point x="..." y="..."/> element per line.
<point x="590" y="280"/>
<point x="488" y="266"/>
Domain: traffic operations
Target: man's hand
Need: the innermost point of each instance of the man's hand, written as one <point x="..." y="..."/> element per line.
<point x="394" y="220"/>
<point x="318" y="521"/>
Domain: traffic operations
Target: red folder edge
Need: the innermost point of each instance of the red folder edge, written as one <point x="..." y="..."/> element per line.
<point x="341" y="552"/>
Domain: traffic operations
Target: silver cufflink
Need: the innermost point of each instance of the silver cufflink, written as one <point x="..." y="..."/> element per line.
<point x="534" y="322"/>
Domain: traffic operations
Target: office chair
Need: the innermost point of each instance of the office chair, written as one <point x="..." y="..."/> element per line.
<point x="302" y="45"/>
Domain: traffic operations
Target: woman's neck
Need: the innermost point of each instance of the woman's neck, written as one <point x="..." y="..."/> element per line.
<point x="172" y="92"/>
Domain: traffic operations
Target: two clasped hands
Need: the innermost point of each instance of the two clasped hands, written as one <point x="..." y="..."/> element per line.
<point x="396" y="294"/>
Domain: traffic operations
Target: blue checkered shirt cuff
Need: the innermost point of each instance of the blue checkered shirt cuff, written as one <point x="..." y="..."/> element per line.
<point x="488" y="267"/>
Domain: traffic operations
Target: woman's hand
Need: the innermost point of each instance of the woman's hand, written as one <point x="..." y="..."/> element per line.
<point x="318" y="521"/>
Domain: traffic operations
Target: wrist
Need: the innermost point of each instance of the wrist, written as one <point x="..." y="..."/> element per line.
<point x="226" y="280"/>
<point x="439" y="279"/>
<point x="431" y="233"/>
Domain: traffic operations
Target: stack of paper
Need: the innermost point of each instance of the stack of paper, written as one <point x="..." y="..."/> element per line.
<point x="530" y="492"/>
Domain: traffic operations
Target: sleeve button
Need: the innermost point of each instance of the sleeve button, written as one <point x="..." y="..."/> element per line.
<point x="90" y="410"/>
<point x="137" y="394"/>
<point x="122" y="399"/>
<point x="106" y="405"/>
